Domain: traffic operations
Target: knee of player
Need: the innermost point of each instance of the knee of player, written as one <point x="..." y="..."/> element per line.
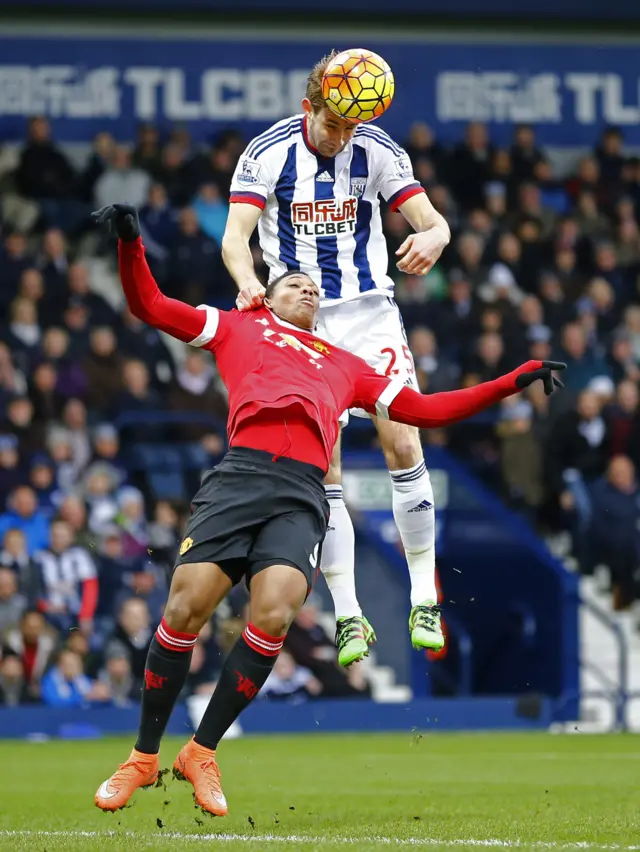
<point x="185" y="612"/>
<point x="404" y="451"/>
<point x="274" y="619"/>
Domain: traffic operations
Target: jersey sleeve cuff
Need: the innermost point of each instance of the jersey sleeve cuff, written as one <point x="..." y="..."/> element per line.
<point x="248" y="198"/>
<point x="403" y="194"/>
<point x="387" y="396"/>
<point x="210" y="326"/>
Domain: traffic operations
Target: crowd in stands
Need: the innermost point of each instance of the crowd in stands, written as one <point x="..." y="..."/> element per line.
<point x="95" y="485"/>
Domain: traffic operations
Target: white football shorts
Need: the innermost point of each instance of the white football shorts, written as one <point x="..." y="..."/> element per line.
<point x="371" y="328"/>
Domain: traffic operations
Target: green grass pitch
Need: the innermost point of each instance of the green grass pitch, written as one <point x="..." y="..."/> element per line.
<point x="357" y="792"/>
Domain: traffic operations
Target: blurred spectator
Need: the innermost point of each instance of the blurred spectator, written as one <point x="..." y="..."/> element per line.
<point x="73" y="510"/>
<point x="121" y="182"/>
<point x="615" y="530"/>
<point x="34" y="645"/>
<point x="205" y="664"/>
<point x="433" y="371"/>
<point x="12" y="603"/>
<point x="117" y="680"/>
<point x="101" y="156"/>
<point x="157" y="223"/>
<point x="12" y="381"/>
<point x="195" y="389"/>
<point x="60" y="451"/>
<point x="470" y="251"/>
<point x="470" y="166"/>
<point x="76" y="319"/>
<point x="79" y="292"/>
<point x="164" y="534"/>
<point x="14" y="259"/>
<point x="20" y="422"/>
<point x="621" y="418"/>
<point x="100" y="483"/>
<point x="103" y="367"/>
<point x="138" y="341"/>
<point x="12" y="690"/>
<point x="74" y="418"/>
<point x="521" y="459"/>
<point x="146" y="155"/>
<point x="173" y="175"/>
<point x="47" y="402"/>
<point x="194" y="260"/>
<point x="290" y="682"/>
<point x="65" y="684"/>
<point x="23" y="514"/>
<point x="582" y="365"/>
<point x="68" y="581"/>
<point x="422" y="145"/>
<point x="71" y="379"/>
<point x="132" y="519"/>
<point x="54" y="266"/>
<point x="132" y="636"/>
<point x="211" y="210"/>
<point x="122" y="576"/>
<point x="610" y="156"/>
<point x="23" y="334"/>
<point x="42" y="480"/>
<point x="312" y="649"/>
<point x="137" y="396"/>
<point x="12" y="472"/>
<point x="44" y="172"/>
<point x="15" y="557"/>
<point x="525" y="155"/>
<point x="106" y="448"/>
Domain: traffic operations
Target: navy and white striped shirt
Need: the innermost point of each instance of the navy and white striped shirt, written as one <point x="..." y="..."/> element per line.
<point x="321" y="215"/>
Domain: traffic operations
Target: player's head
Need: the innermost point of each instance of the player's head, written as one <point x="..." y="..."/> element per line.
<point x="328" y="133"/>
<point x="295" y="298"/>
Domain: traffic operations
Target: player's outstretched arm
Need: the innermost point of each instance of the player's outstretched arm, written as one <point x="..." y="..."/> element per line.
<point x="420" y="251"/>
<point x="404" y="405"/>
<point x="143" y="296"/>
<point x="237" y="257"/>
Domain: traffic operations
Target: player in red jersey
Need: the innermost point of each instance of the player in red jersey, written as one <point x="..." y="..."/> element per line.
<point x="261" y="514"/>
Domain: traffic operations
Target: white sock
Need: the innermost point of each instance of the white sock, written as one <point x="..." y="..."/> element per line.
<point x="338" y="556"/>
<point x="414" y="515"/>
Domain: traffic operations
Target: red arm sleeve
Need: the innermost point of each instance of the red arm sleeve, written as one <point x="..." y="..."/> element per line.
<point x="394" y="401"/>
<point x="89" y="599"/>
<point x="147" y="303"/>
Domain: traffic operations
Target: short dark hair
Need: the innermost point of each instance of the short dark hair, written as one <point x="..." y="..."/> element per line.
<point x="271" y="286"/>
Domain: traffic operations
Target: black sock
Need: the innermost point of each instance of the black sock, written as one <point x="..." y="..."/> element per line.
<point x="164" y="676"/>
<point x="242" y="677"/>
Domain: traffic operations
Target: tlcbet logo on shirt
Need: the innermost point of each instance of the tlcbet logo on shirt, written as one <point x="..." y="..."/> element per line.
<point x="327" y="217"/>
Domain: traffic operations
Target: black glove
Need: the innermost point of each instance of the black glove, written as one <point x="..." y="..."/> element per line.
<point x="121" y="219"/>
<point x="541" y="370"/>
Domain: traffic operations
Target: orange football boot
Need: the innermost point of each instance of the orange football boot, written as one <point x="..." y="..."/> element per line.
<point x="197" y="764"/>
<point x="141" y="770"/>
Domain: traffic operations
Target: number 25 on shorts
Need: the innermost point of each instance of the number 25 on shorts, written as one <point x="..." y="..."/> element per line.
<point x="390" y="353"/>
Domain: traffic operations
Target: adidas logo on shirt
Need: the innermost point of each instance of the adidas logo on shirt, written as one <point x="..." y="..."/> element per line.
<point x="324" y="177"/>
<point x="424" y="506"/>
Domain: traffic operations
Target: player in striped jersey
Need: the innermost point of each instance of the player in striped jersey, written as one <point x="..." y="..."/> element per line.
<point x="311" y="184"/>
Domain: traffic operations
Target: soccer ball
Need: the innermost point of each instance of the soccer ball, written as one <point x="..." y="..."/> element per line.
<point x="358" y="85"/>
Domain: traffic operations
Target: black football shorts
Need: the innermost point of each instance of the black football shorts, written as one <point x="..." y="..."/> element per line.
<point x="252" y="512"/>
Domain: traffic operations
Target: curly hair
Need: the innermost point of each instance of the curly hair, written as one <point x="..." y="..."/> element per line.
<point x="314" y="81"/>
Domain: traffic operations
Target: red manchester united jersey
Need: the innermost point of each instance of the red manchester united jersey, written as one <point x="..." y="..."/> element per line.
<point x="287" y="388"/>
<point x="266" y="362"/>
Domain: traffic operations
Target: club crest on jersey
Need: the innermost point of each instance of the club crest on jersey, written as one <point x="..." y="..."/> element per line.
<point x="187" y="544"/>
<point x="321" y="347"/>
<point x="358" y="186"/>
<point x="249" y="171"/>
<point x="326" y="217"/>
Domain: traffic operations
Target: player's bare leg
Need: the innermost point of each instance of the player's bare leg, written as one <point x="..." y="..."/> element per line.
<point x="414" y="514"/>
<point x="196" y="591"/>
<point x="354" y="634"/>
<point x="277" y="594"/>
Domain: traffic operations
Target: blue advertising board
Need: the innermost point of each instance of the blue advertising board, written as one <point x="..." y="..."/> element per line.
<point x="569" y="91"/>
